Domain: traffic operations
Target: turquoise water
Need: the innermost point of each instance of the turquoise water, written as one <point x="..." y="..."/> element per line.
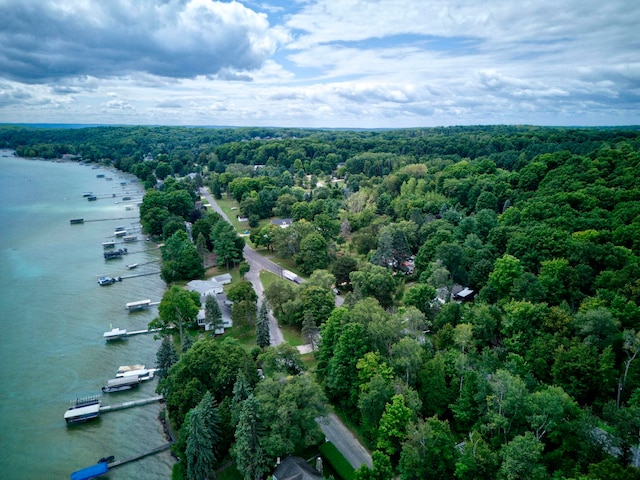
<point x="53" y="314"/>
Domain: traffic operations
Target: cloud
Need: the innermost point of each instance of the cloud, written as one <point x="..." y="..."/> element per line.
<point x="43" y="41"/>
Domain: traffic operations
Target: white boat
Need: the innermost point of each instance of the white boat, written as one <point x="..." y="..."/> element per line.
<point x="121" y="383"/>
<point x="139" y="305"/>
<point x="130" y="238"/>
<point x="109" y="244"/>
<point x="82" y="411"/>
<point x="128" y="368"/>
<point x="120" y="233"/>
<point x="131" y="266"/>
<point x="115" y="334"/>
<point x="142" y="374"/>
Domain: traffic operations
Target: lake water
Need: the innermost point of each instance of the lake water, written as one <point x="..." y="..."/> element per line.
<point x="53" y="314"/>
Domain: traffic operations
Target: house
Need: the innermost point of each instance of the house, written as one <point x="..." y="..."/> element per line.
<point x="242" y="219"/>
<point x="295" y="468"/>
<point x="282" y="222"/>
<point x="464" y="295"/>
<point x="223" y="279"/>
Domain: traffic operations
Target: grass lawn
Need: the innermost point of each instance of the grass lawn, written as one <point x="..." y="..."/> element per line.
<point x="340" y="464"/>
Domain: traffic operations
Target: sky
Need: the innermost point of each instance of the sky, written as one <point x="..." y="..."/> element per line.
<point x="320" y="63"/>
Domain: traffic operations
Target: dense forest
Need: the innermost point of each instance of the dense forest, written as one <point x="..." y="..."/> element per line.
<point x="529" y="374"/>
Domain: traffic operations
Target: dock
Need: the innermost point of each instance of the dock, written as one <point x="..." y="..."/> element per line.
<point x="117" y="463"/>
<point x="140" y="332"/>
<point x="103" y="467"/>
<point x="132" y="403"/>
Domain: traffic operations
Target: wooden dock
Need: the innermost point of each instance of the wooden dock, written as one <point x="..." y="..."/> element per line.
<point x="117" y="463"/>
<point x="139" y="275"/>
<point x="140" y="332"/>
<point x="132" y="403"/>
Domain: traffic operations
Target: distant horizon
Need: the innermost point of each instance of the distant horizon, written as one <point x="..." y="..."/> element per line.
<point x="320" y="64"/>
<point x="95" y="125"/>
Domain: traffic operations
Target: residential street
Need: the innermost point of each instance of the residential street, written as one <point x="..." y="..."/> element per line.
<point x="257" y="262"/>
<point x="337" y="433"/>
<point x="334" y="430"/>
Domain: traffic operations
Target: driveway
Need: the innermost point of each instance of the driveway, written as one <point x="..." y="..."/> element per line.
<point x="337" y="433"/>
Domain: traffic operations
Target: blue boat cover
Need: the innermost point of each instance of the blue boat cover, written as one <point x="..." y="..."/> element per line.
<point x="90" y="472"/>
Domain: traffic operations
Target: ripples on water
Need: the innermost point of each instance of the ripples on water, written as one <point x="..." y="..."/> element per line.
<point x="53" y="315"/>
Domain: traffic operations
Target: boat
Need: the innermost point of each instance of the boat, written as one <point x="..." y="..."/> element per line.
<point x="142" y="373"/>
<point x="115" y="334"/>
<point x="124" y="199"/>
<point x="75" y="221"/>
<point x="109" y="244"/>
<point x="128" y="368"/>
<point x="100" y="175"/>
<point x="120" y="233"/>
<point x="130" y="238"/>
<point x="108" y="178"/>
<point x="92" y="198"/>
<point x="103" y="281"/>
<point x="93" y="471"/>
<point x="115" y="254"/>
<point x="87" y="194"/>
<point x="139" y="305"/>
<point x="120" y="384"/>
<point x="83" y="410"/>
<point x="131" y="266"/>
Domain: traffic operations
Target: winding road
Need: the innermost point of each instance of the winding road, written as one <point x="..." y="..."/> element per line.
<point x="334" y="430"/>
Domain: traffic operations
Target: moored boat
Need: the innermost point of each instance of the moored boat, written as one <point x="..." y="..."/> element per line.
<point x="115" y="254"/>
<point x="83" y="410"/>
<point x="131" y="266"/>
<point x="104" y="281"/>
<point x="115" y="334"/>
<point x="120" y="384"/>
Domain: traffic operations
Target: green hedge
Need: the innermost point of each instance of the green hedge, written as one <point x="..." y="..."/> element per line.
<point x="337" y="461"/>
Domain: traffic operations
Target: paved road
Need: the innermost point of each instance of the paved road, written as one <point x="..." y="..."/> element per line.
<point x="337" y="433"/>
<point x="256" y="262"/>
<point x="332" y="427"/>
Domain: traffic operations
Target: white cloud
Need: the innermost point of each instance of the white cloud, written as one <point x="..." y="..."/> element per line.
<point x="359" y="63"/>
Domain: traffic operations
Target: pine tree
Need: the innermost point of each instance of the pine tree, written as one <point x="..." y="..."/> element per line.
<point x="262" y="326"/>
<point x="212" y="313"/>
<point x="248" y="451"/>
<point x="166" y="356"/>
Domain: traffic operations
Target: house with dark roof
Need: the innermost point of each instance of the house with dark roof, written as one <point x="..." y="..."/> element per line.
<point x="295" y="468"/>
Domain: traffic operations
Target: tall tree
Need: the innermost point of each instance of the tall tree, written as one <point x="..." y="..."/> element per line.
<point x="248" y="451"/>
<point x="393" y="425"/>
<point x="428" y="451"/>
<point x="165" y="357"/>
<point x="178" y="308"/>
<point x="180" y="259"/>
<point x="521" y="459"/>
<point x="263" y="339"/>
<point x="212" y="313"/>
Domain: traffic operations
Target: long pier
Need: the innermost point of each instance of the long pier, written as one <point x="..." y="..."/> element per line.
<point x="139" y="275"/>
<point x="117" y="463"/>
<point x="132" y="403"/>
<point x="140" y="332"/>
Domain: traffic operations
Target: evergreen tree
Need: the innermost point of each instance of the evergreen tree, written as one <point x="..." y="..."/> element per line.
<point x="212" y="313"/>
<point x="248" y="451"/>
<point x="166" y="356"/>
<point x="262" y="326"/>
<point x="199" y="451"/>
